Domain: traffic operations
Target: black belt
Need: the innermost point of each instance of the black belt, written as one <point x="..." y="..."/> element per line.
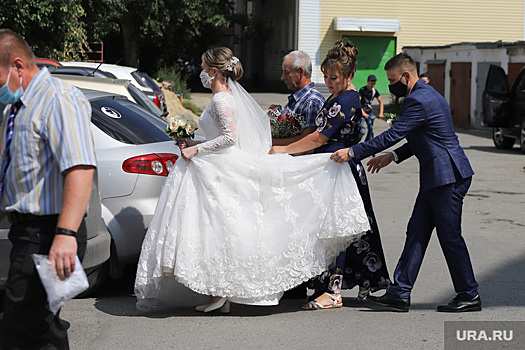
<point x="16" y="217"/>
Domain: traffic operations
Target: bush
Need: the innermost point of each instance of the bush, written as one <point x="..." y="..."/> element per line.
<point x="174" y="75"/>
<point x="191" y="106"/>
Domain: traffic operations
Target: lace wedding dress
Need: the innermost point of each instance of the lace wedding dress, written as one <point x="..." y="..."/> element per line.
<point x="246" y="226"/>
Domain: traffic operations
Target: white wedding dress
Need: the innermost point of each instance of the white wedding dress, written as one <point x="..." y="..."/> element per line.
<point x="245" y="226"/>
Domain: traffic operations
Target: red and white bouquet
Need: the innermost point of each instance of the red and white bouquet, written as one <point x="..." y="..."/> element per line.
<point x="285" y="124"/>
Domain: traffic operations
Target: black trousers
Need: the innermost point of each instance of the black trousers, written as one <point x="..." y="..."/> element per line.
<point x="27" y="322"/>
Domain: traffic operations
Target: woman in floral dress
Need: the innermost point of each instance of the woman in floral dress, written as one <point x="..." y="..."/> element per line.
<point x="338" y="123"/>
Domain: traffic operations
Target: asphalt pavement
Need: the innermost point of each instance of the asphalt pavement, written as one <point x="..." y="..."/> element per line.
<point x="493" y="227"/>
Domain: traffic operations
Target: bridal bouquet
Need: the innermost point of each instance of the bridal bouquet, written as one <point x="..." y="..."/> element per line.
<point x="285" y="124"/>
<point x="391" y="118"/>
<point x="181" y="126"/>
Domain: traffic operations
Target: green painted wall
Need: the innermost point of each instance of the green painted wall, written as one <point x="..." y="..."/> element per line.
<point x="374" y="52"/>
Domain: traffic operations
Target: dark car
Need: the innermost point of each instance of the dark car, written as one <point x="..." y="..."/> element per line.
<point x="504" y="108"/>
<point x="158" y="91"/>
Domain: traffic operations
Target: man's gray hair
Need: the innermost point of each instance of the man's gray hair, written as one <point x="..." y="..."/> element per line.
<point x="300" y="59"/>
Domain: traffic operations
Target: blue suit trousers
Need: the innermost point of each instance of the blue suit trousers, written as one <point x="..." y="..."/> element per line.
<point x="438" y="208"/>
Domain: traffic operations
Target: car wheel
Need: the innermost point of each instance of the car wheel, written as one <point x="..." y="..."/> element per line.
<point x="96" y="277"/>
<point x="500" y="141"/>
<point x="522" y="135"/>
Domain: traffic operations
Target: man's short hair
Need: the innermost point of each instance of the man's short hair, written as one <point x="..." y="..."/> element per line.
<point x="400" y="63"/>
<point x="300" y="59"/>
<point x="12" y="44"/>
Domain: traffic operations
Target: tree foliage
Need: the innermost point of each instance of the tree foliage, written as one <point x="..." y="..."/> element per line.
<point x="54" y="28"/>
<point x="146" y="33"/>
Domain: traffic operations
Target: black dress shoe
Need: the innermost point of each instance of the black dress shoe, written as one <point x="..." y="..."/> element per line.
<point x="456" y="305"/>
<point x="391" y="300"/>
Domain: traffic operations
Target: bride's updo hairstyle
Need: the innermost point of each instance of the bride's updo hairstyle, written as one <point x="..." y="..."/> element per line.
<point x="224" y="61"/>
<point x="342" y="57"/>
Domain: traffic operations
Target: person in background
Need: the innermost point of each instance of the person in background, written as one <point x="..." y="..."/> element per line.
<point x="425" y="78"/>
<point x="367" y="94"/>
<point x="445" y="176"/>
<point x="48" y="163"/>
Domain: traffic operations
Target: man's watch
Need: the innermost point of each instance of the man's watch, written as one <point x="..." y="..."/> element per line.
<point x="351" y="152"/>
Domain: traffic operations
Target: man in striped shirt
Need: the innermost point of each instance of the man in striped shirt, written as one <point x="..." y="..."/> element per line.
<point x="45" y="188"/>
<point x="306" y="101"/>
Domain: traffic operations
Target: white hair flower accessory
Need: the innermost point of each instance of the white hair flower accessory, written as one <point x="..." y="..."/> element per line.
<point x="234" y="60"/>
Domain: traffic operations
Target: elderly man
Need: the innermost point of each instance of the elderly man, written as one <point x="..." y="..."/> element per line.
<point x="48" y="162"/>
<point x="306" y="100"/>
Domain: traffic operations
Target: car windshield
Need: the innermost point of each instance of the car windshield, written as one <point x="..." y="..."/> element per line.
<point x="143" y="100"/>
<point x="127" y="122"/>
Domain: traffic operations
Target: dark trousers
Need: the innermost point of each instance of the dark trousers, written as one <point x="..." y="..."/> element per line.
<point x="27" y="322"/>
<point x="439" y="208"/>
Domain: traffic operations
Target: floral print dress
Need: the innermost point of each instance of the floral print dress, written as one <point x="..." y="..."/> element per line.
<point x="363" y="262"/>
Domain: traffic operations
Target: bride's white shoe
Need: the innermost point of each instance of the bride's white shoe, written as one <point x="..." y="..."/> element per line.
<point x="201" y="307"/>
<point x="222" y="303"/>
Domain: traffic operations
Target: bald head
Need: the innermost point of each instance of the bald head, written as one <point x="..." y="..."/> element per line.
<point x="13" y="45"/>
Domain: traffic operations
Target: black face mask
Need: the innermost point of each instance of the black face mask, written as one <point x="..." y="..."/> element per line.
<point x="398" y="89"/>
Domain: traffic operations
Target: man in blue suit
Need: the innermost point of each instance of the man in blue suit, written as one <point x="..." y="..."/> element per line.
<point x="445" y="176"/>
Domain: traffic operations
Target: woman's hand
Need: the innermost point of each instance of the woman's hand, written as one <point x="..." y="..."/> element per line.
<point x="277" y="149"/>
<point x="189" y="152"/>
<point x="340" y="156"/>
<point x="186" y="142"/>
<point x="182" y="142"/>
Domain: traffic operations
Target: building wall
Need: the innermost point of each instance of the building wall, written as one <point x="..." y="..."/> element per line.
<point x="429" y="22"/>
<point x="422" y="23"/>
<point x="478" y="54"/>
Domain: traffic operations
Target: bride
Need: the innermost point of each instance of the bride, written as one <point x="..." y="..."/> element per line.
<point x="236" y="224"/>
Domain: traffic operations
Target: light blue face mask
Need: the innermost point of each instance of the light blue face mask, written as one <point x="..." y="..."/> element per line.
<point x="8" y="97"/>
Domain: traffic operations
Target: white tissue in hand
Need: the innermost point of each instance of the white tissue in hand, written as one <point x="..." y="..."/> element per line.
<point x="58" y="292"/>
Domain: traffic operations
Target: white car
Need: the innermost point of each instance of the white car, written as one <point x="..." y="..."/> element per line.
<point x="124" y="72"/>
<point x="117" y="86"/>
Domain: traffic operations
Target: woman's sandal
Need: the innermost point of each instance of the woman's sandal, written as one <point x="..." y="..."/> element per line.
<point x="337" y="301"/>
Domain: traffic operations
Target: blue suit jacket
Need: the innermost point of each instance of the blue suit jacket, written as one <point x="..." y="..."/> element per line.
<point x="426" y="123"/>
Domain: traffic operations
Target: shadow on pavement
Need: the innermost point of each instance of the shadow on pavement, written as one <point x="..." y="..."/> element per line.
<point x="501" y="288"/>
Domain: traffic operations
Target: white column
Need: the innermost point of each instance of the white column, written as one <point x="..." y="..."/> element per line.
<point x="309" y="18"/>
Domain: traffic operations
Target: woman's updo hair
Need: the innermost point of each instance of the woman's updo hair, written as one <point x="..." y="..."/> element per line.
<point x="224" y="61"/>
<point x="342" y="57"/>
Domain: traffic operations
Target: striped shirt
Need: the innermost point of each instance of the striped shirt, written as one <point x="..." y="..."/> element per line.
<point x="51" y="134"/>
<point x="307" y="102"/>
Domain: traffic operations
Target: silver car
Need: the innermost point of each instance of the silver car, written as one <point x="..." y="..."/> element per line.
<point x="97" y="254"/>
<point x="134" y="156"/>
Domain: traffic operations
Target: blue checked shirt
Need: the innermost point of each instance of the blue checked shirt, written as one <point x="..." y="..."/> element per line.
<point x="307" y="102"/>
<point x="51" y="134"/>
